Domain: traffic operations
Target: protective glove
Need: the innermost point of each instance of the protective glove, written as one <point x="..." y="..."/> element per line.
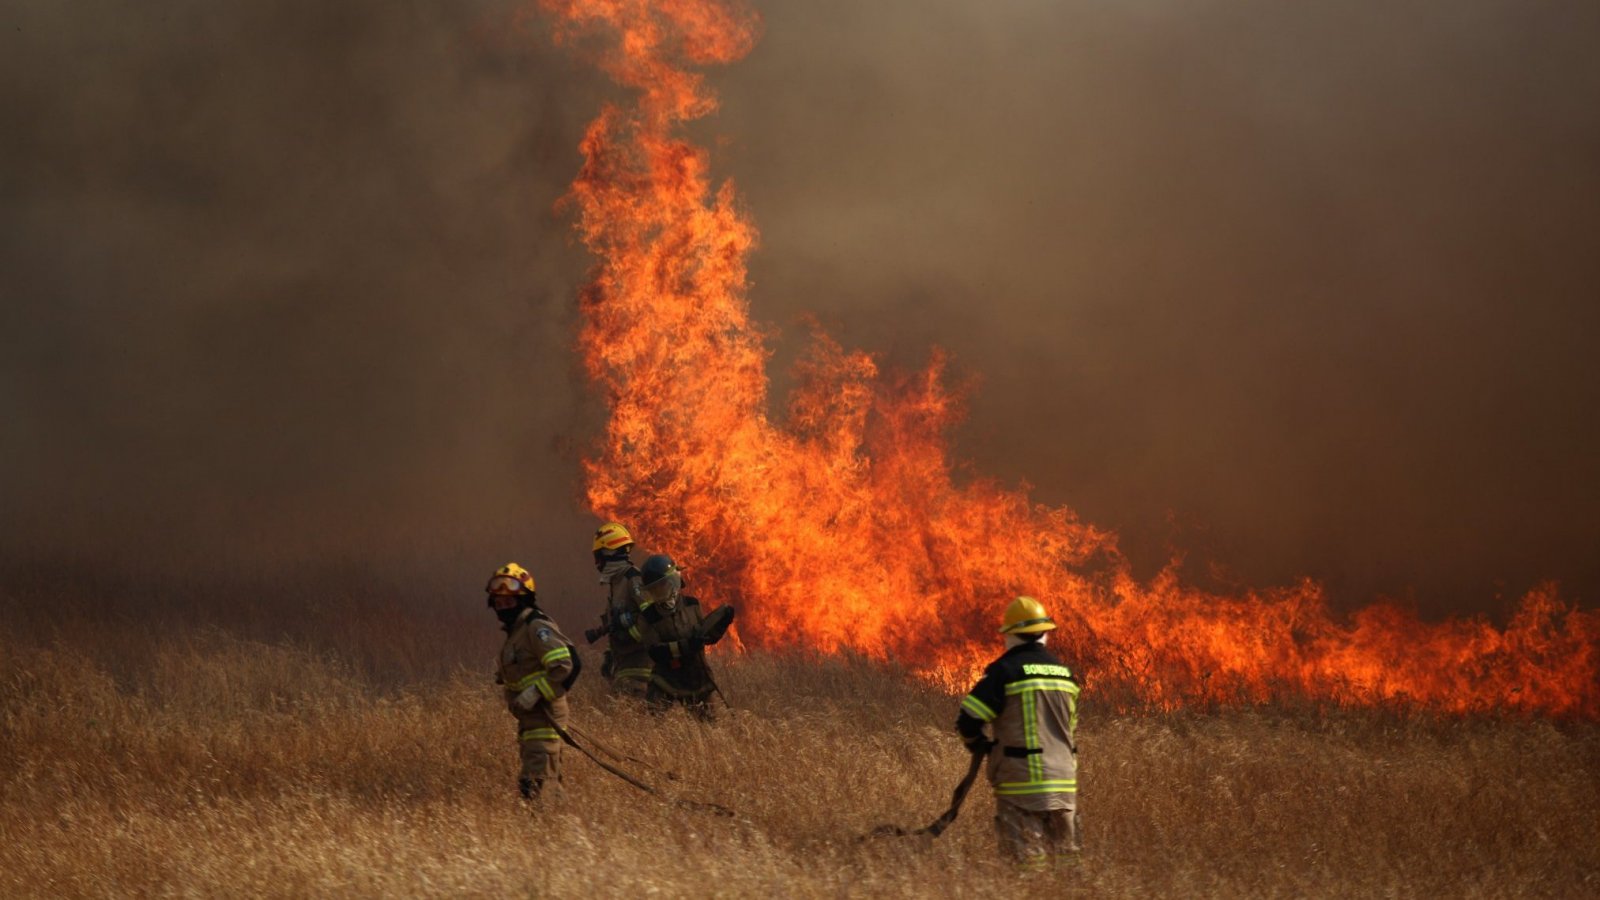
<point x="528" y="699"/>
<point x="979" y="745"/>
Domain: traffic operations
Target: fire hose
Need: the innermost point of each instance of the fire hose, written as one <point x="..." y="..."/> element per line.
<point x="957" y="797"/>
<point x="567" y="738"/>
<point x="717" y="688"/>
<point x="592" y="741"/>
<point x="936" y="828"/>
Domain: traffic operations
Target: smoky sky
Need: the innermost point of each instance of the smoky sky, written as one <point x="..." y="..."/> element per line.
<point x="1298" y="289"/>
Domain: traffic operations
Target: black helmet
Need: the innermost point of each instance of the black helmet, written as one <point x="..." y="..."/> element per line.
<point x="660" y="582"/>
<point x="656" y="568"/>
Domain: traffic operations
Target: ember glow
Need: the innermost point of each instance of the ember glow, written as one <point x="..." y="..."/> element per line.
<point x="841" y="525"/>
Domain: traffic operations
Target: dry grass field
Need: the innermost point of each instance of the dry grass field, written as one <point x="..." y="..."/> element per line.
<point x="140" y="759"/>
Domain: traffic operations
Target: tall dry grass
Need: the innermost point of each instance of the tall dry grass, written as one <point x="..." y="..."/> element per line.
<point x="138" y="762"/>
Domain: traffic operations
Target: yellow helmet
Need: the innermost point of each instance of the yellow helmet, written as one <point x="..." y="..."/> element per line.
<point x="612" y="536"/>
<point x="1026" y="615"/>
<point x="510" y="579"/>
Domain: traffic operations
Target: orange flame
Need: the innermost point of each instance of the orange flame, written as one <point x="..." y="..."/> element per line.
<point x="840" y="526"/>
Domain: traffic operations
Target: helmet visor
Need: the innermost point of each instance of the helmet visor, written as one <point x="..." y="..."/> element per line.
<point x="665" y="589"/>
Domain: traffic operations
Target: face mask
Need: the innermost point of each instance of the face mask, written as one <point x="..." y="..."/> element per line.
<point x="608" y="556"/>
<point x="507" y="606"/>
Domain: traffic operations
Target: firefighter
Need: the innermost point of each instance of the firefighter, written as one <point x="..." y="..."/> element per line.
<point x="537" y="668"/>
<point x="675" y="634"/>
<point x="1029" y="700"/>
<point x="627" y="666"/>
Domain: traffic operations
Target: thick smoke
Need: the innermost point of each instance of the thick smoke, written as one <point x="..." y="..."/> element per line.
<point x="1298" y="288"/>
<point x="283" y="283"/>
<point x="1301" y="289"/>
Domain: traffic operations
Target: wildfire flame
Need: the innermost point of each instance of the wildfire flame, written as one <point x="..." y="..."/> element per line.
<point x="839" y="526"/>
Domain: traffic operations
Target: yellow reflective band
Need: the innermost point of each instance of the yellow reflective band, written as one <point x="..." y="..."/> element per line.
<point x="978" y="709"/>
<point x="557" y="653"/>
<point x="522" y="684"/>
<point x="640" y="674"/>
<point x="1030" y="734"/>
<point x="634" y="630"/>
<point x="539" y="734"/>
<point x="543" y="684"/>
<point x="1041" y="684"/>
<point x="1026" y="788"/>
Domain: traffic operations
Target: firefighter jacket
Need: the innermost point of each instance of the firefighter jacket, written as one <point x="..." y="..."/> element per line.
<point x="676" y="648"/>
<point x="629" y="659"/>
<point x="536" y="654"/>
<point x="1031" y="701"/>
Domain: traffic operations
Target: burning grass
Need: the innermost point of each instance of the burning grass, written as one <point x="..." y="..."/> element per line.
<point x="213" y="764"/>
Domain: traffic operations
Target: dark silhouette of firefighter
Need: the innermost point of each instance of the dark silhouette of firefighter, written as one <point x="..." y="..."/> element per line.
<point x="675" y="632"/>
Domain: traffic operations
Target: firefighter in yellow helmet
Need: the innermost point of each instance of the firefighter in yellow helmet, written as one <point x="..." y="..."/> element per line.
<point x="627" y="665"/>
<point x="537" y="667"/>
<point x="1029" y="701"/>
<point x="675" y="633"/>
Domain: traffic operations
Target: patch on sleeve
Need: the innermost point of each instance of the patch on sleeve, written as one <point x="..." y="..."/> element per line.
<point x="544" y="634"/>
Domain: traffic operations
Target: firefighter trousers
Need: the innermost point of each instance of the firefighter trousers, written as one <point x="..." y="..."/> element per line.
<point x="539" y="741"/>
<point x="1037" y="840"/>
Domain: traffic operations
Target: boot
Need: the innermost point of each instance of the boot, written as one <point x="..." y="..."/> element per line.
<point x="541" y="790"/>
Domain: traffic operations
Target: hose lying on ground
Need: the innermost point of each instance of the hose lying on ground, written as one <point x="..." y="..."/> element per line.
<point x="938" y="826"/>
<point x="594" y="742"/>
<point x="716" y="808"/>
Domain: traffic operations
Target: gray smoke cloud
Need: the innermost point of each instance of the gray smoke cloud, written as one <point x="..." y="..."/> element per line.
<point x="1298" y="288"/>
<point x="1301" y="289"/>
<point x="283" y="283"/>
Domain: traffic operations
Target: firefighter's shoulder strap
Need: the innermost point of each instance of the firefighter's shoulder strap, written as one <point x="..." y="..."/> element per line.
<point x="577" y="666"/>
